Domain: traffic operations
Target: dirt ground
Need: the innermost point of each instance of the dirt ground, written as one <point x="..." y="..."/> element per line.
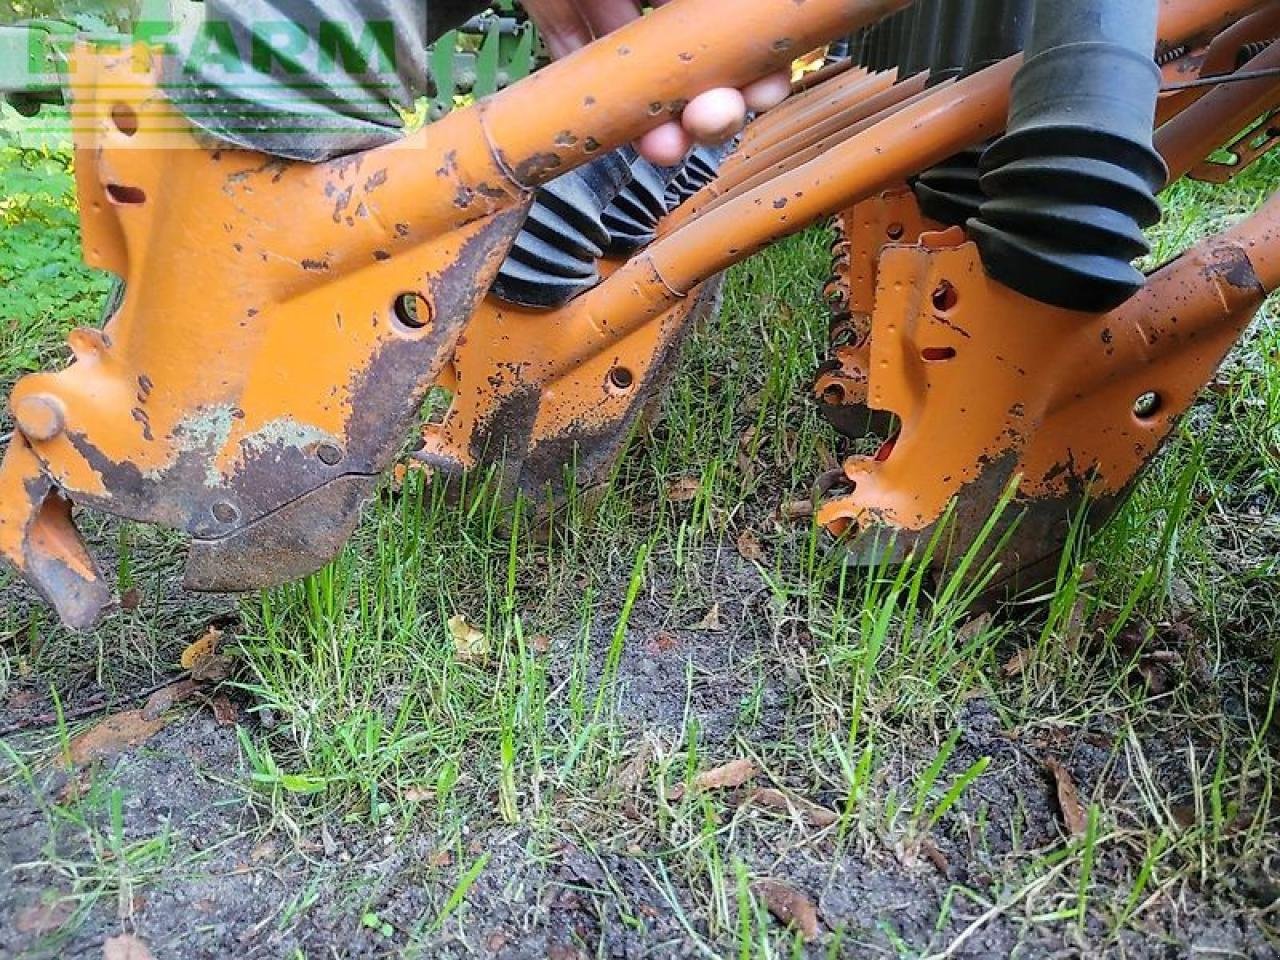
<point x="225" y="876"/>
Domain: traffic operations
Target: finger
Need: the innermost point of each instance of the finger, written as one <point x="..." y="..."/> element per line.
<point x="605" y="16"/>
<point x="767" y="92"/>
<point x="561" y="24"/>
<point x="666" y="145"/>
<point x="715" y="116"/>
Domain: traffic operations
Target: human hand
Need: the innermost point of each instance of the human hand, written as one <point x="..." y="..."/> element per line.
<point x="711" y="117"/>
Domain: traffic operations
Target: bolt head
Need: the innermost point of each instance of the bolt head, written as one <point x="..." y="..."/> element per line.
<point x="1147" y="405"/>
<point x="40" y="416"/>
<point x="330" y="454"/>
<point x="224" y="512"/>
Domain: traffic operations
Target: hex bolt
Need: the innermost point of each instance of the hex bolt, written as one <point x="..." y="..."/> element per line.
<point x="40" y="416"/>
<point x="1146" y="406"/>
<point x="224" y="512"/>
<point x="329" y="454"/>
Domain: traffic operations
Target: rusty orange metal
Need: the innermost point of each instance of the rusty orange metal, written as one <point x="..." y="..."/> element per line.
<point x="1068" y="406"/>
<point x="864" y="232"/>
<point x="282" y="322"/>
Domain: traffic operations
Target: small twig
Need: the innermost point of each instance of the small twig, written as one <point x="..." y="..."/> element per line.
<point x="43" y="720"/>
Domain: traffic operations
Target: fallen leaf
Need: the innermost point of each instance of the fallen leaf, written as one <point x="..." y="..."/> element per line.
<point x="749" y="546"/>
<point x="796" y="510"/>
<point x="973" y="629"/>
<point x="540" y="643"/>
<point x="164" y="698"/>
<point x="811" y="813"/>
<point x="469" y="644"/>
<point x="205" y="646"/>
<point x="789" y="906"/>
<point x="224" y="711"/>
<point x="112" y="736"/>
<point x="632" y="773"/>
<point x="45" y="917"/>
<point x="1077" y="620"/>
<point x="125" y="947"/>
<point x="732" y="774"/>
<point x="663" y="642"/>
<point x="711" y="622"/>
<point x="1073" y="813"/>
<point x="441" y="858"/>
<point x="211" y="670"/>
<point x="419" y="794"/>
<point x="131" y="599"/>
<point x="684" y="489"/>
<point x="1017" y="665"/>
<point x="935" y="856"/>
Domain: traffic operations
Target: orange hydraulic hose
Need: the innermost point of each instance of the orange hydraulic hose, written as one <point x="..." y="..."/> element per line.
<point x="1218" y="116"/>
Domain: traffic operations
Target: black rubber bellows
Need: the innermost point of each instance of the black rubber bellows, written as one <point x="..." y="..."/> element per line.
<point x="553" y="258"/>
<point x="1072" y="183"/>
<point x="950" y="193"/>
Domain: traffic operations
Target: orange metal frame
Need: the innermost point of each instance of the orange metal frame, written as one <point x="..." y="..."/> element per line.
<point x="253" y="397"/>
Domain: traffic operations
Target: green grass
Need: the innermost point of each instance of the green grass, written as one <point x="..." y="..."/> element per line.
<point x="382" y="722"/>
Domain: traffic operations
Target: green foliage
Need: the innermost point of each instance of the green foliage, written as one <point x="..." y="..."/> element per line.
<point x="45" y="287"/>
<point x="86" y="14"/>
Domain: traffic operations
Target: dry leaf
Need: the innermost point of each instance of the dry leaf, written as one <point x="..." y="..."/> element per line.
<point x="469" y="644"/>
<point x="205" y="646"/>
<point x="711" y="622"/>
<point x="164" y="698"/>
<point x="749" y="546"/>
<point x="973" y="629"/>
<point x="789" y="906"/>
<point x="1018" y="663"/>
<point x="44" y="917"/>
<point x="935" y="856"/>
<point x="540" y="644"/>
<point x="22" y="699"/>
<point x="631" y="775"/>
<point x="419" y="794"/>
<point x="224" y="711"/>
<point x="1077" y="620"/>
<point x="663" y="642"/>
<point x="684" y="489"/>
<point x="125" y="947"/>
<point x="211" y="670"/>
<point x="732" y="774"/>
<point x="112" y="736"/>
<point x="1073" y="813"/>
<point x="131" y="599"/>
<point x="811" y="813"/>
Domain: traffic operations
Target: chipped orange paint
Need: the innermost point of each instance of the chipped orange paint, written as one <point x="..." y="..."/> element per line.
<point x="1058" y="404"/>
<point x="262" y="352"/>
